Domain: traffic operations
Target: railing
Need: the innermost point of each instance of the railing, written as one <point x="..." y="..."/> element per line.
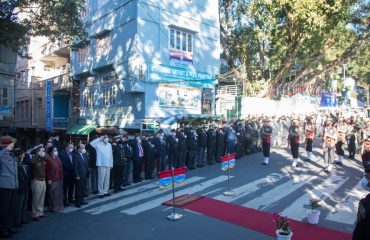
<point x="52" y="47"/>
<point x="62" y="82"/>
<point x="228" y="90"/>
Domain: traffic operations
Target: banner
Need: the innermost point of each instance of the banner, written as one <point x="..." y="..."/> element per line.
<point x="328" y="100"/>
<point x="227" y="161"/>
<point x="165" y="177"/>
<point x="48" y="105"/>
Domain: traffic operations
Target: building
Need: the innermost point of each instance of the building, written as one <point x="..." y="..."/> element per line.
<point x="146" y="60"/>
<point x="7" y="77"/>
<point x="45" y="92"/>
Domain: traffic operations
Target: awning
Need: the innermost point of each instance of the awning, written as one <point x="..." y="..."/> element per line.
<point x="81" y="129"/>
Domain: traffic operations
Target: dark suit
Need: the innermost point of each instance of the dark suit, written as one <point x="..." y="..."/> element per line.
<point x="68" y="177"/>
<point x="137" y="160"/>
<point x="81" y="170"/>
<point x="172" y="151"/>
<point x="149" y="151"/>
<point x="161" y="151"/>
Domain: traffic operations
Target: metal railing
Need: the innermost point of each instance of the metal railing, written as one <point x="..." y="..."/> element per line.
<point x="228" y="90"/>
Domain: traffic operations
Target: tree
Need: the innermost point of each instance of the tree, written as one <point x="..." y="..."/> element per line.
<point x="56" y="19"/>
<point x="295" y="39"/>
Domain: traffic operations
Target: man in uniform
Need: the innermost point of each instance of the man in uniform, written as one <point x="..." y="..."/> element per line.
<point x="202" y="143"/>
<point x="351" y="139"/>
<point x="266" y="132"/>
<point x="309" y="129"/>
<point x="181" y="149"/>
<point x="294" y="140"/>
<point x="220" y="143"/>
<point x="161" y="151"/>
<point x="119" y="163"/>
<point x="172" y="148"/>
<point x="330" y="139"/>
<point x="211" y="145"/>
<point x="128" y="153"/>
<point x="149" y="153"/>
<point x="341" y="129"/>
<point x="192" y="142"/>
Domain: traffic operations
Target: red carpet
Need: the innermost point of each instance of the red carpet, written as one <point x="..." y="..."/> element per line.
<point x="261" y="221"/>
<point x="182" y="200"/>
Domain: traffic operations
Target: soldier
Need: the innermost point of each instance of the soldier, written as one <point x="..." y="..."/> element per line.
<point x="294" y="140"/>
<point x="119" y="163"/>
<point x="192" y="143"/>
<point x="149" y="153"/>
<point x="220" y="143"/>
<point x="309" y="129"/>
<point x="351" y="139"/>
<point x="202" y="143"/>
<point x="211" y="145"/>
<point x="266" y="132"/>
<point x="340" y="144"/>
<point x="160" y="150"/>
<point x="128" y="154"/>
<point x="330" y="139"/>
<point x="172" y="148"/>
<point x="181" y="149"/>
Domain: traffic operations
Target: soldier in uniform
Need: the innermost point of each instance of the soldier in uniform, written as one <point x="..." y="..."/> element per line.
<point x="211" y="145"/>
<point x="266" y="132"/>
<point x="128" y="153"/>
<point x="202" y="143"/>
<point x="220" y="144"/>
<point x="294" y="140"/>
<point x="309" y="129"/>
<point x="341" y="140"/>
<point x="172" y="148"/>
<point x="330" y="138"/>
<point x="181" y="149"/>
<point x="351" y="139"/>
<point x="160" y="151"/>
<point x="192" y="143"/>
<point x="149" y="153"/>
<point x="119" y="163"/>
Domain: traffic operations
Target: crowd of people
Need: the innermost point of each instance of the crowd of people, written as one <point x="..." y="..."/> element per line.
<point x="48" y="174"/>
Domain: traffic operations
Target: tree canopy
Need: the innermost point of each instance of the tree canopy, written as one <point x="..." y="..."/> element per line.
<point x="294" y="40"/>
<point x="57" y="19"/>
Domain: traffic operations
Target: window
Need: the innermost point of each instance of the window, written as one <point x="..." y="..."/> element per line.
<point x="182" y="41"/>
<point x="82" y="54"/>
<point x="89" y="99"/>
<point x="109" y="96"/>
<point x="102" y="44"/>
<point x="5" y="96"/>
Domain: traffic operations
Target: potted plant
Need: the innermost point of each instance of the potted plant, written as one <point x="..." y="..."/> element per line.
<point x="313" y="214"/>
<point x="283" y="231"/>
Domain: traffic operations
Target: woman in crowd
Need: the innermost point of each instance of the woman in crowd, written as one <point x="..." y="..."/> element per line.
<point x="54" y="177"/>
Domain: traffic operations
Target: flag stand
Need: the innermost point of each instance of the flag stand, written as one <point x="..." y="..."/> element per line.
<point x="228" y="192"/>
<point x="174" y="216"/>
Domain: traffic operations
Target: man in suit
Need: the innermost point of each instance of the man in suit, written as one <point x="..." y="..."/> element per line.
<point x="181" y="149"/>
<point x="161" y="151"/>
<point x="149" y="151"/>
<point x="202" y="144"/>
<point x="138" y="159"/>
<point x="68" y="174"/>
<point x="172" y="149"/>
<point x="81" y="172"/>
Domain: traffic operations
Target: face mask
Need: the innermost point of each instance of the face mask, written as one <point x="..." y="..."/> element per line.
<point x="83" y="151"/>
<point x="139" y="140"/>
<point x="173" y="134"/>
<point x="55" y="153"/>
<point x="106" y="140"/>
<point x="42" y="154"/>
<point x="70" y="150"/>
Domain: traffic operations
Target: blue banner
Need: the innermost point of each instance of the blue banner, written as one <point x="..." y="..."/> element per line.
<point x="48" y="105"/>
<point x="180" y="76"/>
<point x="328" y="100"/>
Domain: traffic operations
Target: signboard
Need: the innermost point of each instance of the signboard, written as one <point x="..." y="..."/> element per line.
<point x="61" y="123"/>
<point x="328" y="100"/>
<point x="48" y="105"/>
<point x="176" y="96"/>
<point x="181" y="76"/>
<point x="180" y="59"/>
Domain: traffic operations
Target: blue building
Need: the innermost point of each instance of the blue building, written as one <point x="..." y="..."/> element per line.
<point x="146" y="60"/>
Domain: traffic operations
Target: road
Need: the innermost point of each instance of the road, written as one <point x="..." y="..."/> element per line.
<point x="137" y="213"/>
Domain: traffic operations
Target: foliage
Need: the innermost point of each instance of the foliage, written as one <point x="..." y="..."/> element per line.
<point x="314" y="203"/>
<point x="57" y="19"/>
<point x="281" y="223"/>
<point x="277" y="40"/>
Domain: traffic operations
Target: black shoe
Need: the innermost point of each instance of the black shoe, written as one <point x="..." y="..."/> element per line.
<point x="36" y="219"/>
<point x="95" y="192"/>
<point x="101" y="196"/>
<point x="264" y="163"/>
<point x="84" y="203"/>
<point x="107" y="195"/>
<point x="24" y="222"/>
<point x="307" y="160"/>
<point x="116" y="191"/>
<point x="77" y="205"/>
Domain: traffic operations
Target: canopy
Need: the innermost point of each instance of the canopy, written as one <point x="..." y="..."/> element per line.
<point x="81" y="129"/>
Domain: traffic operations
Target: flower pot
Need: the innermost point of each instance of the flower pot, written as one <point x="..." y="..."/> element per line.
<point x="313" y="216"/>
<point x="281" y="236"/>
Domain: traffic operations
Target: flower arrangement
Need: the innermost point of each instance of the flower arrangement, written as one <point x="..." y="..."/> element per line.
<point x="314" y="204"/>
<point x="282" y="224"/>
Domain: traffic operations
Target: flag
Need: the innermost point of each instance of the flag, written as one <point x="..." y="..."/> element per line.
<point x="165" y="179"/>
<point x="227" y="161"/>
<point x="179" y="175"/>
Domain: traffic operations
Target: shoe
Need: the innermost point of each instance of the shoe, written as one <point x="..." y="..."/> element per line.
<point x="43" y="216"/>
<point x="101" y="196"/>
<point x="36" y="219"/>
<point x="84" y="203"/>
<point x="126" y="184"/>
<point x="77" y="205"/>
<point x="116" y="191"/>
<point x="95" y="192"/>
<point x="264" y="163"/>
<point x="24" y="222"/>
<point x="307" y="160"/>
<point x="107" y="195"/>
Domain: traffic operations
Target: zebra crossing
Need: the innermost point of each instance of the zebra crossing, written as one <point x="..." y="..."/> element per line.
<point x="265" y="193"/>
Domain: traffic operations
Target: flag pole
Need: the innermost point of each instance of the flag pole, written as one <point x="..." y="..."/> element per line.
<point x="228" y="192"/>
<point x="173" y="216"/>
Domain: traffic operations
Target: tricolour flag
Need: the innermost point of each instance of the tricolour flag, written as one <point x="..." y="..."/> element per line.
<point x="179" y="175"/>
<point x="227" y="161"/>
<point x="165" y="179"/>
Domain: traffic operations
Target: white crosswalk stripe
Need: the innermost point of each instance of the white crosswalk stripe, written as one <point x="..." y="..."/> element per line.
<point x="296" y="210"/>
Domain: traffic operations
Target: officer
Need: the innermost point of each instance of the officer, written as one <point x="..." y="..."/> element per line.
<point x="351" y="139"/>
<point x="128" y="154"/>
<point x="294" y="140"/>
<point x="330" y="138"/>
<point x="149" y="153"/>
<point x="172" y="148"/>
<point x="202" y="143"/>
<point x="211" y="144"/>
<point x="119" y="163"/>
<point x="192" y="143"/>
<point x="309" y="129"/>
<point x="181" y="149"/>
<point x="160" y="150"/>
<point x="266" y="132"/>
<point x="220" y="143"/>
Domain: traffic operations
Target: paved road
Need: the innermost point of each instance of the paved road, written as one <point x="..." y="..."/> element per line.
<point x="137" y="213"/>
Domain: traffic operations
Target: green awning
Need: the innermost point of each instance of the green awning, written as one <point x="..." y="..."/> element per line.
<point x="81" y="129"/>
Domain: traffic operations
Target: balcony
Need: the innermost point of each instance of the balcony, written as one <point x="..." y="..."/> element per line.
<point x="233" y="90"/>
<point x="54" y="51"/>
<point x="62" y="82"/>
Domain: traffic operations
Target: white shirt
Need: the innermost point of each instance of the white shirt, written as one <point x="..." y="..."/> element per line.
<point x="104" y="154"/>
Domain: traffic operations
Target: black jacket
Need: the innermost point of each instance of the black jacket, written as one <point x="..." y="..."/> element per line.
<point x="172" y="145"/>
<point x="220" y="138"/>
<point x="362" y="229"/>
<point x="120" y="156"/>
<point x="80" y="165"/>
<point x="202" y="138"/>
<point x="181" y="144"/>
<point x="68" y="170"/>
<point x="211" y="138"/>
<point x="160" y="146"/>
<point x="192" y="141"/>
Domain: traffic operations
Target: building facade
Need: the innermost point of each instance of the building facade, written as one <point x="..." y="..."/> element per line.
<point x="146" y="60"/>
<point x="7" y="77"/>
<point x="45" y="92"/>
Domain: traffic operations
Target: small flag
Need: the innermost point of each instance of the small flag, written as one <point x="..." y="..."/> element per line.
<point x="165" y="179"/>
<point x="179" y="175"/>
<point x="231" y="160"/>
<point x="227" y="161"/>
